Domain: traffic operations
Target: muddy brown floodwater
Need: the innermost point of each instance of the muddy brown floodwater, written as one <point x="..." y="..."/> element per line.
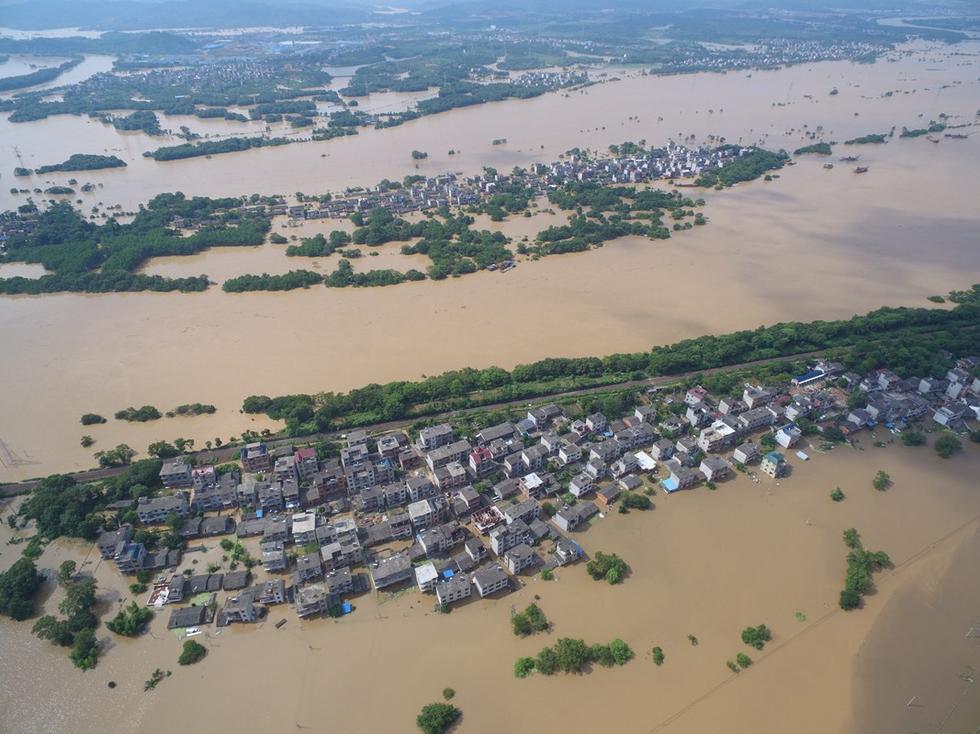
<point x="811" y="244"/>
<point x="703" y="563"/>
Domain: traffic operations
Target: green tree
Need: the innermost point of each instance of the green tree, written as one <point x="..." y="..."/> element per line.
<point x="621" y="652"/>
<point x="837" y="495"/>
<point x="521" y="625"/>
<point x="437" y="718"/>
<point x="602" y="655"/>
<point x="849" y="599"/>
<point x="572" y="655"/>
<point x="757" y="637"/>
<point x="85" y="650"/>
<point x="947" y="445"/>
<point x="131" y="621"/>
<point x="882" y="481"/>
<point x="162" y="450"/>
<point x="913" y="438"/>
<point x="852" y="539"/>
<point x="743" y="660"/>
<point x="191" y="653"/>
<point x="56" y="630"/>
<point x="658" y="656"/>
<point x="523" y="667"/>
<point x="608" y="566"/>
<point x="66" y="571"/>
<point x="546" y="662"/>
<point x="19" y="585"/>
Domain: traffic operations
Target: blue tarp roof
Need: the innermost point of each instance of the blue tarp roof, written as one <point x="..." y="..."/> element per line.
<point x="346" y="608"/>
<point x="669" y="484"/>
<point x="448" y="573"/>
<point x="810" y="375"/>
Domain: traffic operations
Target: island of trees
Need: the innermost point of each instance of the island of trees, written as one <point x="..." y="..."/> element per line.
<point x="817" y="148"/>
<point x="87" y="257"/>
<point x="213" y="147"/>
<point x="41" y="76"/>
<point x="84" y="162"/>
<point x="872" y="138"/>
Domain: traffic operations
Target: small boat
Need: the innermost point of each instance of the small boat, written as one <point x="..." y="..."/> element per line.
<point x="861" y="169"/>
<point x="280" y="623"/>
<point x="849" y="159"/>
<point x="193" y="632"/>
<point x="828" y="166"/>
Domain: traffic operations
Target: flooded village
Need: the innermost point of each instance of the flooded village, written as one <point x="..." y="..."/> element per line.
<point x="442" y="532"/>
<point x="342" y="580"/>
<point x="457" y="514"/>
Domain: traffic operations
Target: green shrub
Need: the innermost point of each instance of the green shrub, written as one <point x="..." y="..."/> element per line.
<point x="437" y="718"/>
<point x="193" y="652"/>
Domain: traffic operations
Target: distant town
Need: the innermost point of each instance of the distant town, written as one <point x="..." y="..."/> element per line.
<point x="458" y="516"/>
<point x="640" y="166"/>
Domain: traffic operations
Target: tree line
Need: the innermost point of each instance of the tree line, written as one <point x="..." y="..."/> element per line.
<point x="905" y="339"/>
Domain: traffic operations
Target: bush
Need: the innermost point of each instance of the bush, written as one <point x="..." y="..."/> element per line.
<point x="139" y="415"/>
<point x="547" y="575"/>
<point x="861" y="564"/>
<point x="92" y="419"/>
<point x="437" y="718"/>
<point x="193" y="652"/>
<point x="547" y="661"/>
<point x="658" y="656"/>
<point x="837" y="495"/>
<point x="609" y="566"/>
<point x="634" y="501"/>
<point x="523" y="667"/>
<point x="131" y="621"/>
<point x="18" y="586"/>
<point x="947" y="445"/>
<point x="572" y="655"/>
<point x="621" y="652"/>
<point x="757" y="637"/>
<point x="849" y="599"/>
<point x="732" y="666"/>
<point x="531" y="620"/>
<point x="85" y="651"/>
<point x="914" y="438"/>
<point x="602" y="655"/>
<point x="448" y="693"/>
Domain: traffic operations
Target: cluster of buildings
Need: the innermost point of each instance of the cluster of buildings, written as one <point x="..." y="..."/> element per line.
<point x="462" y="516"/>
<point x="951" y="401"/>
<point x="672" y="161"/>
